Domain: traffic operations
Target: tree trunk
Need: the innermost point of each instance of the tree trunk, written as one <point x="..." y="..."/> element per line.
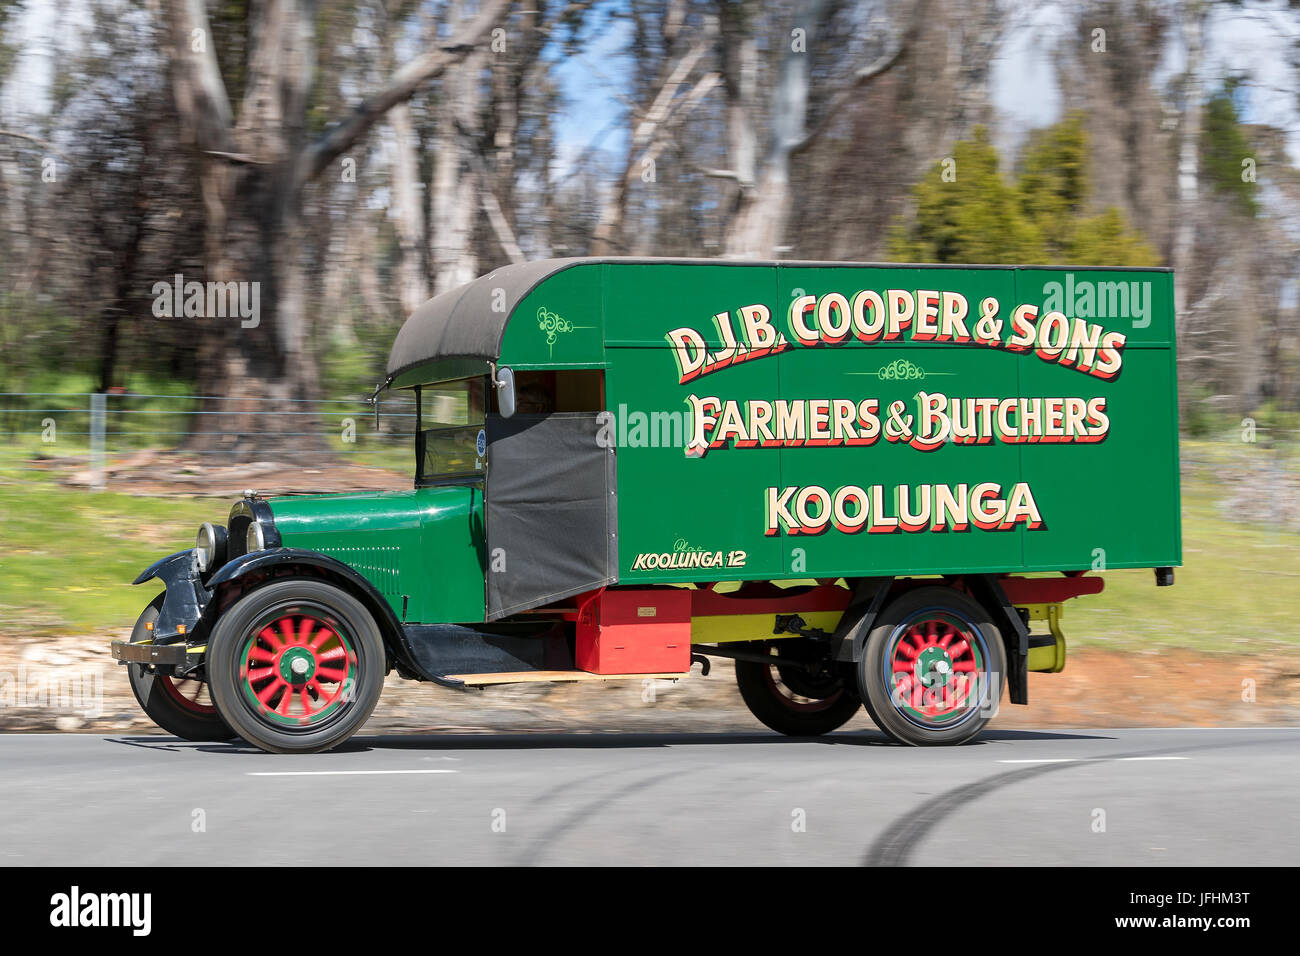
<point x="1189" y="143"/>
<point x="412" y="290"/>
<point x="454" y="197"/>
<point x="758" y="224"/>
<point x="261" y="366"/>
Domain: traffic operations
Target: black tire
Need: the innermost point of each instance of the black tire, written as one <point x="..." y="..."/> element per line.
<point x="252" y="666"/>
<point x="177" y="706"/>
<point x="915" y="713"/>
<point x="790" y="699"/>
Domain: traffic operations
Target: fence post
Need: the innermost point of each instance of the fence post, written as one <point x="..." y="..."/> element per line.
<point x="97" y="416"/>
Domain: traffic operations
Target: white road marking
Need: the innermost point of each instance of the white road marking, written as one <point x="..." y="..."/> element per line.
<point x="1087" y="759"/>
<point x="1155" y="758"/>
<point x="334" y="773"/>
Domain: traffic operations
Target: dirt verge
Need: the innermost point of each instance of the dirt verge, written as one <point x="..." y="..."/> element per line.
<point x="1099" y="688"/>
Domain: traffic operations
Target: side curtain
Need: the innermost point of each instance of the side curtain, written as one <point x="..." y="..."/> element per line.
<point x="552" y="515"/>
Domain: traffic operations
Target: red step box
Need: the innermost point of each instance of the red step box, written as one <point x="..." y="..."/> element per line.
<point x="635" y="632"/>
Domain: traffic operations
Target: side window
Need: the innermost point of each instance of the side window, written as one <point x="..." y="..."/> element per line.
<point x="565" y="390"/>
<point x="449" y="438"/>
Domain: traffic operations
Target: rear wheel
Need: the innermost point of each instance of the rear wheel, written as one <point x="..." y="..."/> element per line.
<point x="804" y="696"/>
<point x="296" y="666"/>
<point x="180" y="706"/>
<point x="933" y="668"/>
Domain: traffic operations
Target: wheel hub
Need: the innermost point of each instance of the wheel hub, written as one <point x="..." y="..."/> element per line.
<point x="934" y="667"/>
<point x="297" y="665"/>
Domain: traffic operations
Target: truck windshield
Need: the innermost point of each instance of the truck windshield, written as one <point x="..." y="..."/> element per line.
<point x="450" y="441"/>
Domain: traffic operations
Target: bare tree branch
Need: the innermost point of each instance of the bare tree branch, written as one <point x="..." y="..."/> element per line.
<point x="679" y="109"/>
<point x="488" y="199"/>
<point x="844" y="94"/>
<point x="243" y="158"/>
<point x="717" y="173"/>
<point x="401" y="87"/>
<point x="201" y="97"/>
<point x="43" y="144"/>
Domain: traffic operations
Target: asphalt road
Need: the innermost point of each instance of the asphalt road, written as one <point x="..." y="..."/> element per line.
<point x="1105" y="797"/>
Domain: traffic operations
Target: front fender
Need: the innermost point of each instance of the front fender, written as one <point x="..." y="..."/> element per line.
<point x="272" y="558"/>
<point x="166" y="567"/>
<point x="185" y="600"/>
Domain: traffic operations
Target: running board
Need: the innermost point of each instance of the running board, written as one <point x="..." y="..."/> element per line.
<point x="526" y="677"/>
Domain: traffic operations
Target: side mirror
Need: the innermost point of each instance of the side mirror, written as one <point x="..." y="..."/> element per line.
<point x="505" y="383"/>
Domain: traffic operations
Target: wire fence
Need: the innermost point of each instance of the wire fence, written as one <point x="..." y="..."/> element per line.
<point x="90" y="429"/>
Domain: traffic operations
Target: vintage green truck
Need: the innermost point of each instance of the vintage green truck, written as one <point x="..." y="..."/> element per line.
<point x="867" y="485"/>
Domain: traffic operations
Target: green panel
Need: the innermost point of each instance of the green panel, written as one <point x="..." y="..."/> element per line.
<point x="885" y="372"/>
<point x="669" y="503"/>
<point x="1113" y="501"/>
<point x="854" y="374"/>
<point x="420" y="548"/>
<point x="1116" y="500"/>
<point x="645" y="301"/>
<point x="558" y="324"/>
<point x="972" y="285"/>
<point x="1137" y="303"/>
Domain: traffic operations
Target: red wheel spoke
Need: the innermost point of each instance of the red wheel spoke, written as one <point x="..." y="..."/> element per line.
<point x="321" y="637"/>
<point x="330" y="674"/>
<point x="260" y="673"/>
<point x="261" y="654"/>
<point x="270" y="637"/>
<point x="304" y="629"/>
<point x="264" y="696"/>
<point x="326" y="697"/>
<point x="334" y="654"/>
<point x="958" y="649"/>
<point x="286" y="630"/>
<point x="969" y="666"/>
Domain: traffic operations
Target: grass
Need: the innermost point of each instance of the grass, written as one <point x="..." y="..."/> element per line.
<point x="67" y="558"/>
<point x="1236" y="592"/>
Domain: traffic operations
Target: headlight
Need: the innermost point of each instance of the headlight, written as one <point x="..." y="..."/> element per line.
<point x="254" y="540"/>
<point x="210" y="547"/>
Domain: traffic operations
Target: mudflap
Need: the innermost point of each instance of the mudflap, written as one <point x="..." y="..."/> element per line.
<point x="1015" y="633"/>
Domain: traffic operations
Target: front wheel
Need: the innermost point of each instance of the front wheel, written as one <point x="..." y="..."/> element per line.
<point x="933" y="668"/>
<point x="296" y="666"/>
<point x="799" y="694"/>
<point x="180" y="706"/>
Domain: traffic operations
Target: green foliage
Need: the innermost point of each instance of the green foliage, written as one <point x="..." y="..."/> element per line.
<point x="1053" y="171"/>
<point x="1223" y="147"/>
<point x="966" y="212"/>
<point x="969" y="212"/>
<point x="1106" y="240"/>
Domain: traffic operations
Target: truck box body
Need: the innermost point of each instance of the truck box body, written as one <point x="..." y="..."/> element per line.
<point x="787" y="420"/>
